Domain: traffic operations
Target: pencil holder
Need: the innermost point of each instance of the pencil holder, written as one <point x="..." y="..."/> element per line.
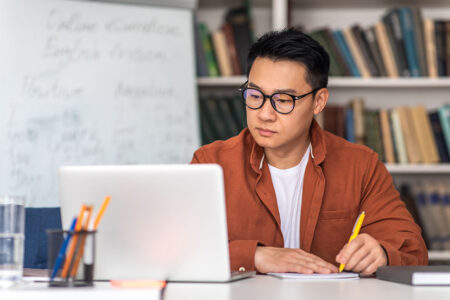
<point x="71" y="258"/>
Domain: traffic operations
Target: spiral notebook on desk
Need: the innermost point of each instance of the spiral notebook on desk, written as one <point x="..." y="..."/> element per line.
<point x="416" y="275"/>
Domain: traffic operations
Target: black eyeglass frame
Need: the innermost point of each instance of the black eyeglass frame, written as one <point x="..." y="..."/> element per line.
<point x="244" y="87"/>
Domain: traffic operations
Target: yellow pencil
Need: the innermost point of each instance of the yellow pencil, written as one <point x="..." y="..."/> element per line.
<point x="101" y="211"/>
<point x="355" y="233"/>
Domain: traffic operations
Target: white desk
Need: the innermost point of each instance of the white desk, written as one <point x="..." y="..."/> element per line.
<point x="260" y="287"/>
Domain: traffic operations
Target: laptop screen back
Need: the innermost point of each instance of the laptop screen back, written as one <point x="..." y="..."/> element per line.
<point x="163" y="221"/>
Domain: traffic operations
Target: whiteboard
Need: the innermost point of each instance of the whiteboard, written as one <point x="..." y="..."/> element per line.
<point x="92" y="83"/>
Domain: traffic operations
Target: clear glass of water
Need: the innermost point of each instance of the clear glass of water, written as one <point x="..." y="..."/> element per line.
<point x="12" y="229"/>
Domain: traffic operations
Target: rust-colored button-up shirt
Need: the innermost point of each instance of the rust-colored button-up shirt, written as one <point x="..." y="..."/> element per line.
<point x="341" y="180"/>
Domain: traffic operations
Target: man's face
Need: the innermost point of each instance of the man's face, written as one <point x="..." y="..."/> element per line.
<point x="270" y="129"/>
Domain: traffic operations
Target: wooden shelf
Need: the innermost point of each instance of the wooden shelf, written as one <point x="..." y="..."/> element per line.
<point x="418" y="169"/>
<point x="341" y="82"/>
<point x="434" y="255"/>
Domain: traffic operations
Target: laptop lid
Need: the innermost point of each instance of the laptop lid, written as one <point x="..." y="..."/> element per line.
<point x="163" y="221"/>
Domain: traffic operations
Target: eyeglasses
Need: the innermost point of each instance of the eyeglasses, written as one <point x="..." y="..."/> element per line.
<point x="282" y="103"/>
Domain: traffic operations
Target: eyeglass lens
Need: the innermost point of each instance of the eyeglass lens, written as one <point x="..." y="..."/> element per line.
<point x="282" y="103"/>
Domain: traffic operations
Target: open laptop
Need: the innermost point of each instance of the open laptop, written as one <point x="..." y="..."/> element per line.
<point x="163" y="221"/>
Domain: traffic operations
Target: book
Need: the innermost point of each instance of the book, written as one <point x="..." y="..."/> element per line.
<point x="447" y="47"/>
<point x="386" y="50"/>
<point x="407" y="196"/>
<point x="437" y="210"/>
<point x="231" y="127"/>
<point x="387" y="137"/>
<point x="201" y="67"/>
<point x="409" y="134"/>
<point x="356" y="53"/>
<point x="415" y="275"/>
<point x="339" y="56"/>
<point x="222" y="53"/>
<point x="391" y="22"/>
<point x="430" y="47"/>
<point x="373" y="134"/>
<point x="210" y="126"/>
<point x="426" y="129"/>
<point x="343" y="48"/>
<point x="420" y="40"/>
<point x="430" y="225"/>
<point x="406" y="21"/>
<point x="234" y="58"/>
<point x="399" y="141"/>
<point x="357" y="105"/>
<point x="419" y="129"/>
<point x="439" y="136"/>
<point x="444" y="118"/>
<point x="349" y="125"/>
<point x="239" y="20"/>
<point x="363" y="46"/>
<point x="334" y="119"/>
<point x="322" y="36"/>
<point x="440" y="40"/>
<point x="209" y="51"/>
<point x="237" y="109"/>
<point x="375" y="50"/>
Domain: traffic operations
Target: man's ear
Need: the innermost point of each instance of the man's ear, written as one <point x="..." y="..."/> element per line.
<point x="320" y="100"/>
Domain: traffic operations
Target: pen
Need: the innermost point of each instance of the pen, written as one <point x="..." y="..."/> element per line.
<point x="73" y="243"/>
<point x="89" y="253"/>
<point x="80" y="245"/>
<point x="355" y="233"/>
<point x="62" y="250"/>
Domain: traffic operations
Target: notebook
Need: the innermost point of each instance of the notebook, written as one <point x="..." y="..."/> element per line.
<point x="316" y="276"/>
<point x="416" y="275"/>
<point x="165" y="222"/>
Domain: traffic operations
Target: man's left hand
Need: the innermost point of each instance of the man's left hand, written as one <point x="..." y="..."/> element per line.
<point x="362" y="255"/>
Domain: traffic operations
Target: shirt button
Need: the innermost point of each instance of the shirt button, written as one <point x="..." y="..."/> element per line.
<point x="241" y="269"/>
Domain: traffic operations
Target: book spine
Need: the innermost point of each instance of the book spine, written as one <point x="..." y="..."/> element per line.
<point x="386" y="50"/>
<point x="439" y="137"/>
<point x="342" y="44"/>
<point x="209" y="53"/>
<point x="430" y="47"/>
<point x="406" y="20"/>
<point x="356" y="52"/>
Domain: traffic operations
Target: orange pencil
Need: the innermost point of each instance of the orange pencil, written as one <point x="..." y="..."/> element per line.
<point x="73" y="242"/>
<point x="74" y="268"/>
<point x="101" y="211"/>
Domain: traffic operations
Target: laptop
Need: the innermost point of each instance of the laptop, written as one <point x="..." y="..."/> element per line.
<point x="165" y="222"/>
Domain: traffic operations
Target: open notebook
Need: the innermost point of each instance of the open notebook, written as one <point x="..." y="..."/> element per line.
<point x="297" y="276"/>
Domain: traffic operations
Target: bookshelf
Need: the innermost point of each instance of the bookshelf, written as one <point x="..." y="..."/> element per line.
<point x="378" y="92"/>
<point x="342" y="82"/>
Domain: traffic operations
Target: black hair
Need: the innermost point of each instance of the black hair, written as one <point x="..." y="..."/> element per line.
<point x="292" y="44"/>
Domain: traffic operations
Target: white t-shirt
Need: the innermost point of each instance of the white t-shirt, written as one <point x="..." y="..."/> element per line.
<point x="288" y="185"/>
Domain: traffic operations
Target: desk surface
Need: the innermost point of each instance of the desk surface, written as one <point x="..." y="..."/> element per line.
<point x="259" y="287"/>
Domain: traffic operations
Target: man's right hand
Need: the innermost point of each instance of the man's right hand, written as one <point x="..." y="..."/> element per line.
<point x="283" y="260"/>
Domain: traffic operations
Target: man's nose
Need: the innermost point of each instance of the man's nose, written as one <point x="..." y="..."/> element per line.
<point x="267" y="112"/>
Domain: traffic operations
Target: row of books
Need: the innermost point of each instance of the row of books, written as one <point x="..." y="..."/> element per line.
<point x="224" y="51"/>
<point x="402" y="44"/>
<point x="221" y="117"/>
<point x="399" y="135"/>
<point x="429" y="204"/>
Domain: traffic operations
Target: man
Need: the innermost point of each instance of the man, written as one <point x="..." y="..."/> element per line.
<point x="294" y="191"/>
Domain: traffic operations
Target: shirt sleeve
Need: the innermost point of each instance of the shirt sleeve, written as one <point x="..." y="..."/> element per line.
<point x="388" y="220"/>
<point x="242" y="252"/>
